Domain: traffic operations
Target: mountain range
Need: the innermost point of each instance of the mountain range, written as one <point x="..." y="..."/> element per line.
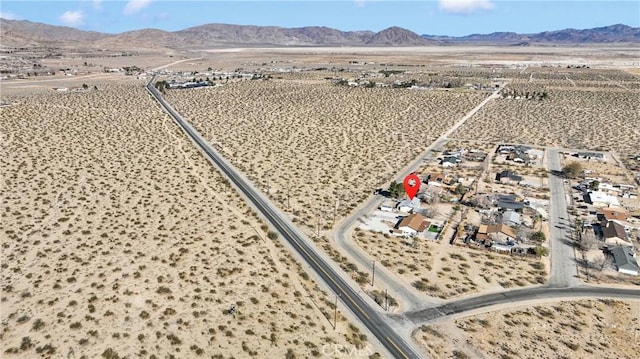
<point x="25" y="33"/>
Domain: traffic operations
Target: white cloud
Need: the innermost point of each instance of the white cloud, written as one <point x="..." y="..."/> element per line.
<point x="72" y="18"/>
<point x="134" y="6"/>
<point x="360" y="3"/>
<point x="97" y="4"/>
<point x="8" y="15"/>
<point x="465" y="6"/>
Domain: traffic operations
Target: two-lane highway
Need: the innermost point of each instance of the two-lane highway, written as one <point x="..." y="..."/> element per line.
<point x="391" y="341"/>
<point x="515" y="297"/>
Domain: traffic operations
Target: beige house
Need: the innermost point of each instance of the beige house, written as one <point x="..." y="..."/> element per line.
<point x="413" y="224"/>
<point x="496" y="232"/>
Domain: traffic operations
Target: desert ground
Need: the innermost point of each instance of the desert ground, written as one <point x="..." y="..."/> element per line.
<point x="120" y="240"/>
<point x="90" y="175"/>
<point x="441" y="270"/>
<point x="568" y="329"/>
<point x="316" y="148"/>
<point x="588" y="109"/>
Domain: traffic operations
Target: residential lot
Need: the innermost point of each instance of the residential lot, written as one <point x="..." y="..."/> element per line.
<point x="569" y="116"/>
<point x="578" y="329"/>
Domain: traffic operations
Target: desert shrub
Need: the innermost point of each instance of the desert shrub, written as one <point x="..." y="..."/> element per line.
<point x="110" y="354"/>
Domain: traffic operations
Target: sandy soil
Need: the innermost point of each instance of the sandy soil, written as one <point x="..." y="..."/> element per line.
<point x="605" y="118"/>
<point x="446" y="271"/>
<point x="576" y="329"/>
<point x="119" y="239"/>
<point x="319" y="149"/>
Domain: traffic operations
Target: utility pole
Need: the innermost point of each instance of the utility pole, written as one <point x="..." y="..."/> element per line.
<point x="268" y="180"/>
<point x="335" y="313"/>
<point x="386" y="300"/>
<point x="373" y="272"/>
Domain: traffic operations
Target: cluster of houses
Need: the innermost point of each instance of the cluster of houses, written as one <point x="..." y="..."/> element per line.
<point x="601" y="194"/>
<point x="188" y="84"/>
<point x="614" y="228"/>
<point x="520" y="154"/>
<point x="452" y="158"/>
<point x="612" y="224"/>
<point x="500" y="232"/>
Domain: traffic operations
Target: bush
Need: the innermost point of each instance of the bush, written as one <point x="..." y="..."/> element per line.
<point x="572" y="170"/>
<point x="110" y="354"/>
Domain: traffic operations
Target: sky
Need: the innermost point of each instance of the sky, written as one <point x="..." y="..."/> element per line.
<point x="433" y="17"/>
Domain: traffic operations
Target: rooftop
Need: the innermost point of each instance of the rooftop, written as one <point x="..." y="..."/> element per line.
<point x="624" y="258"/>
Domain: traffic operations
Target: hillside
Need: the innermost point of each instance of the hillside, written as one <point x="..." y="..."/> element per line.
<point x="25" y="33"/>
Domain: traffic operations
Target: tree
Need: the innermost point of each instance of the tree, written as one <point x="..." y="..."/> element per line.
<point x="538" y="237"/>
<point x="594" y="185"/>
<point x="572" y="170"/>
<point x="393" y="189"/>
<point x="536" y="220"/>
<point x="541" y="251"/>
<point x="460" y="189"/>
<point x="85" y="86"/>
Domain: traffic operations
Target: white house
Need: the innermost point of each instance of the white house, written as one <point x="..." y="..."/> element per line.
<point x="413" y="224"/>
<point x="511" y="218"/>
<point x="409" y="205"/>
<point x="601" y="199"/>
<point x="388" y="206"/>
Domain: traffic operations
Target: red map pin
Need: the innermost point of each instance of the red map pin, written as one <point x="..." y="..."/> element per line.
<point x="411" y="185"/>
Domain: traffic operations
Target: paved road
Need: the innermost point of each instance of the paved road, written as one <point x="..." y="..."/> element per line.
<point x="564" y="268"/>
<point x="377" y="325"/>
<point x="431" y="315"/>
<point x="410" y="298"/>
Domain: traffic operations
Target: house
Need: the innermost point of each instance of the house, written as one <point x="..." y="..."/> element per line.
<point x="508" y="176"/>
<point x="388" y="206"/>
<point x="501" y="248"/>
<point x="498" y="232"/>
<point x="435" y="178"/>
<point x="449" y="161"/>
<point x="519" y="157"/>
<point x="509" y="202"/>
<point x="505" y="149"/>
<point x="408" y="205"/>
<point x="590" y="155"/>
<point x="601" y="199"/>
<point x="511" y="218"/>
<point x="625" y="259"/>
<point x="612" y="214"/>
<point x="413" y="224"/>
<point x="455" y="153"/>
<point x="475" y="155"/>
<point x="614" y="234"/>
